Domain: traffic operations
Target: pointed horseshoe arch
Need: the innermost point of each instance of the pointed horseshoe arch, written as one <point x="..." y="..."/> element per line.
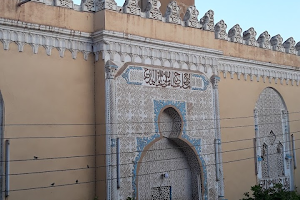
<point x="170" y="165"/>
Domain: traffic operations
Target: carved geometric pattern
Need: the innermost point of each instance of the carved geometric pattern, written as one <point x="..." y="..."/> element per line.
<point x="207" y="21"/>
<point x="265" y="165"/>
<point x="271" y="134"/>
<point x="172" y="13"/>
<point x="289" y="46"/>
<point x="88" y="5"/>
<point x="276" y="43"/>
<point x="161" y="193"/>
<point x="271" y="138"/>
<point x="268" y="183"/>
<point x="170" y="123"/>
<point x="165" y="157"/>
<point x="234" y="34"/>
<point x="249" y="37"/>
<point x="189" y="104"/>
<point x="64" y="3"/>
<point x="132" y="7"/>
<point x="152" y="10"/>
<point x="264" y="40"/>
<point x="97" y="5"/>
<point x="280" y="159"/>
<point x="191" y="17"/>
<point x="220" y="30"/>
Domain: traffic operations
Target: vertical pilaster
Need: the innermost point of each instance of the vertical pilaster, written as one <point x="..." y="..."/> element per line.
<point x="110" y="131"/>
<point x="219" y="165"/>
<point x="287" y="150"/>
<point x="257" y="146"/>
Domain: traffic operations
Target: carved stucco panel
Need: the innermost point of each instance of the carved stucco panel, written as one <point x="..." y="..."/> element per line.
<point x="135" y="116"/>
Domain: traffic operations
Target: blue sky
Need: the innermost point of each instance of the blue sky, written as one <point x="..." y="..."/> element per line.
<point x="276" y="16"/>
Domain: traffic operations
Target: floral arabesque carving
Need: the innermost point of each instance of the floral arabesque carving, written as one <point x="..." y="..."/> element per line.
<point x="191" y="17"/>
<point x="276" y="43"/>
<point x="249" y="37"/>
<point x="97" y="5"/>
<point x="264" y="40"/>
<point x="207" y="21"/>
<point x="132" y="7"/>
<point x="64" y="3"/>
<point x="234" y="34"/>
<point x="172" y="13"/>
<point x="289" y="46"/>
<point x="152" y="10"/>
<point x="220" y="30"/>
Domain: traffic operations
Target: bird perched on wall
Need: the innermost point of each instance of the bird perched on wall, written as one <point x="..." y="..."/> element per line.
<point x="52" y="184"/>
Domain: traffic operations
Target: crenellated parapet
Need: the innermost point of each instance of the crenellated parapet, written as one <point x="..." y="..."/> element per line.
<point x="207" y="21"/>
<point x="152" y="10"/>
<point x="276" y="43"/>
<point x="97" y="5"/>
<point x="220" y="30"/>
<point x="132" y="7"/>
<point x="249" y="37"/>
<point x="234" y="34"/>
<point x="190" y="19"/>
<point x="289" y="46"/>
<point x="264" y="40"/>
<point x="172" y="13"/>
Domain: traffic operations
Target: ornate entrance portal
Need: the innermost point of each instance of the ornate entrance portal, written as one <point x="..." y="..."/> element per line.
<point x="169" y="168"/>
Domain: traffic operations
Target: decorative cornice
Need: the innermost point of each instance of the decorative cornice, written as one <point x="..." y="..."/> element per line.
<point x="121" y="48"/>
<point x="190" y="20"/>
<point x="258" y="70"/>
<point x="47" y="37"/>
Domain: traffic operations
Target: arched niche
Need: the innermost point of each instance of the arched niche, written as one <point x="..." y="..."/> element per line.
<point x="169" y="165"/>
<point x="272" y="139"/>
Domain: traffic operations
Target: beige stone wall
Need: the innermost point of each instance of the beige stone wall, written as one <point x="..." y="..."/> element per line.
<point x="42" y="14"/>
<point x="100" y="129"/>
<point x="38" y="89"/>
<point x="234" y="95"/>
<point x="41" y="89"/>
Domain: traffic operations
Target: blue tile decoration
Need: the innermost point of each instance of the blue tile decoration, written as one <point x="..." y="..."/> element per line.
<point x="288" y="156"/>
<point x="205" y="82"/>
<point x="125" y="75"/>
<point x="142" y="142"/>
